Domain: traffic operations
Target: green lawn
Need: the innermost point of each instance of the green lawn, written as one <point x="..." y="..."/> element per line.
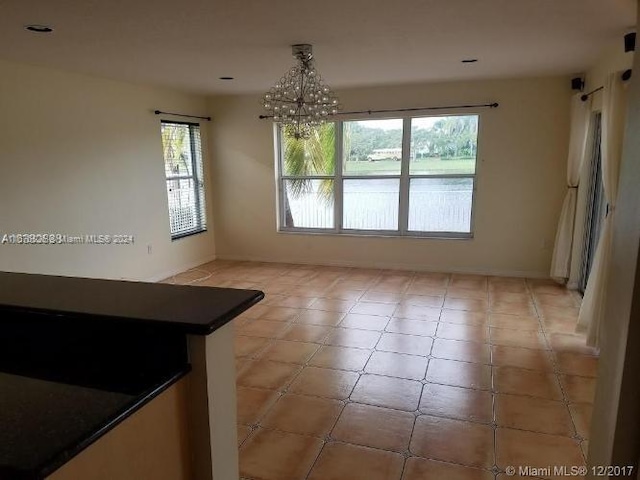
<point x="422" y="165"/>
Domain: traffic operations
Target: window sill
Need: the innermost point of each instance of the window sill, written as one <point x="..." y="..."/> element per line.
<point x="187" y="234"/>
<point x="378" y="234"/>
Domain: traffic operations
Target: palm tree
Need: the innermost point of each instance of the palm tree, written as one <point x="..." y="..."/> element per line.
<point x="302" y="158"/>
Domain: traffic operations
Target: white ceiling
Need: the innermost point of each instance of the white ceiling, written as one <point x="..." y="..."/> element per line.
<point x="188" y="44"/>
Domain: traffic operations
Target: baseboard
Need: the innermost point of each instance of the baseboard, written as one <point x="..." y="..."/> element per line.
<point x="175" y="271"/>
<point x="391" y="266"/>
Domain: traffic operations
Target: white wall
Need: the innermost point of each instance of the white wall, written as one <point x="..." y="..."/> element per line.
<point x="83" y="155"/>
<point x="521" y="182"/>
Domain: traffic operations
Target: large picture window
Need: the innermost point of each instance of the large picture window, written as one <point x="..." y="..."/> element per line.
<point x="182" y="151"/>
<point x="402" y="176"/>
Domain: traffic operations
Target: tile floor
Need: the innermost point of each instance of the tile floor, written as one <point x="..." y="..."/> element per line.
<point x="355" y="374"/>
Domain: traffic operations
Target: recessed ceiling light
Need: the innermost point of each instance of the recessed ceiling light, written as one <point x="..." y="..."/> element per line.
<point x="226" y="78"/>
<point x="469" y="60"/>
<point x="38" y="28"/>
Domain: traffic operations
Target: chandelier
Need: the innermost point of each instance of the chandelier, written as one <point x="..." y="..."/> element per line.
<point x="300" y="101"/>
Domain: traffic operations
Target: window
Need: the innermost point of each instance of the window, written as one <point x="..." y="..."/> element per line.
<point x="401" y="176"/>
<point x="182" y="151"/>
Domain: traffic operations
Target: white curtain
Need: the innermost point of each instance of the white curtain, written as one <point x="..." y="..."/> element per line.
<point x="561" y="260"/>
<point x="613" y="118"/>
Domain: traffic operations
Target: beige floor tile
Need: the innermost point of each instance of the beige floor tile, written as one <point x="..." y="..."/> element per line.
<point x="409" y="344"/>
<point x="364" y="322"/>
<point x="431" y="279"/>
<point x="351" y="337"/>
<point x="323" y="382"/>
<point x="576" y="364"/>
<point x="272" y="299"/>
<point x="563" y="300"/>
<point x="339" y="461"/>
<point x="343" y="293"/>
<point x="264" y="328"/>
<point x="498" y="295"/>
<point x="308" y="291"/>
<point x="303" y="415"/>
<point x="390" y="287"/>
<point x="332" y="305"/>
<point x="516" y="447"/>
<point x="459" y="374"/>
<point x="249" y="346"/>
<point x="280" y="314"/>
<point x="381" y="297"/>
<point x="389" y="392"/>
<point x="253" y="403"/>
<point x="268" y="455"/>
<point x="470" y="333"/>
<point x="416" y="312"/>
<point x="547" y="288"/>
<point x="528" y="358"/>
<point x="290" y="352"/>
<point x="373" y="308"/>
<point x="581" y="414"/>
<point x="579" y="389"/>
<point x="457" y="292"/>
<point x="293" y="301"/>
<point x="418" y="468"/>
<point x="243" y="433"/>
<point x="509" y="337"/>
<point x="431" y="287"/>
<point x="508" y="285"/>
<point x="514" y="322"/>
<point x="406" y="326"/>
<point x="306" y="333"/>
<point x="374" y="427"/>
<point x="269" y="375"/>
<point x="526" y="382"/>
<point x="469" y="304"/>
<point x="459" y="350"/>
<point x="455" y="441"/>
<point x="320" y="317"/>
<point x="555" y="324"/>
<point x="457" y="402"/>
<point x="534" y="414"/>
<point x="475" y="282"/>
<point x="569" y="312"/>
<point x="561" y="342"/>
<point x="465" y="318"/>
<point x="514" y="308"/>
<point x="435" y="301"/>
<point x="341" y="358"/>
<point x="397" y="365"/>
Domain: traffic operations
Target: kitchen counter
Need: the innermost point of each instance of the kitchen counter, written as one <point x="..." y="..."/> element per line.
<point x="78" y="356"/>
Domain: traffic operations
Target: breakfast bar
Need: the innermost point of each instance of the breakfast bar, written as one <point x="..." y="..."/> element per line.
<point x="116" y="379"/>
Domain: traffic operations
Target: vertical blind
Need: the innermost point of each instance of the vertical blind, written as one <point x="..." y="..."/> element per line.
<point x="182" y="150"/>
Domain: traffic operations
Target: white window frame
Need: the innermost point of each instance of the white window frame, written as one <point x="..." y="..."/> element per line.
<point x="404" y="178"/>
<point x="197" y="178"/>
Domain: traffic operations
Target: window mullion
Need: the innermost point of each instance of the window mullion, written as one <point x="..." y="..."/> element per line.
<point x="403" y="213"/>
<point x="337" y="184"/>
<point x="194" y="174"/>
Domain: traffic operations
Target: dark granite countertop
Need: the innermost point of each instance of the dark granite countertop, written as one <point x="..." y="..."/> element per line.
<point x="44" y="423"/>
<point x="194" y="310"/>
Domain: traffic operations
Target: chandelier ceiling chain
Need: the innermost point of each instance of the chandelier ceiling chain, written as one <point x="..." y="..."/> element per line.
<point x="300" y="101"/>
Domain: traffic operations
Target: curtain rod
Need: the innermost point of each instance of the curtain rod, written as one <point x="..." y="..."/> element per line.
<point x="626" y="75"/>
<point x="393" y="110"/>
<point x="158" y="112"/>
